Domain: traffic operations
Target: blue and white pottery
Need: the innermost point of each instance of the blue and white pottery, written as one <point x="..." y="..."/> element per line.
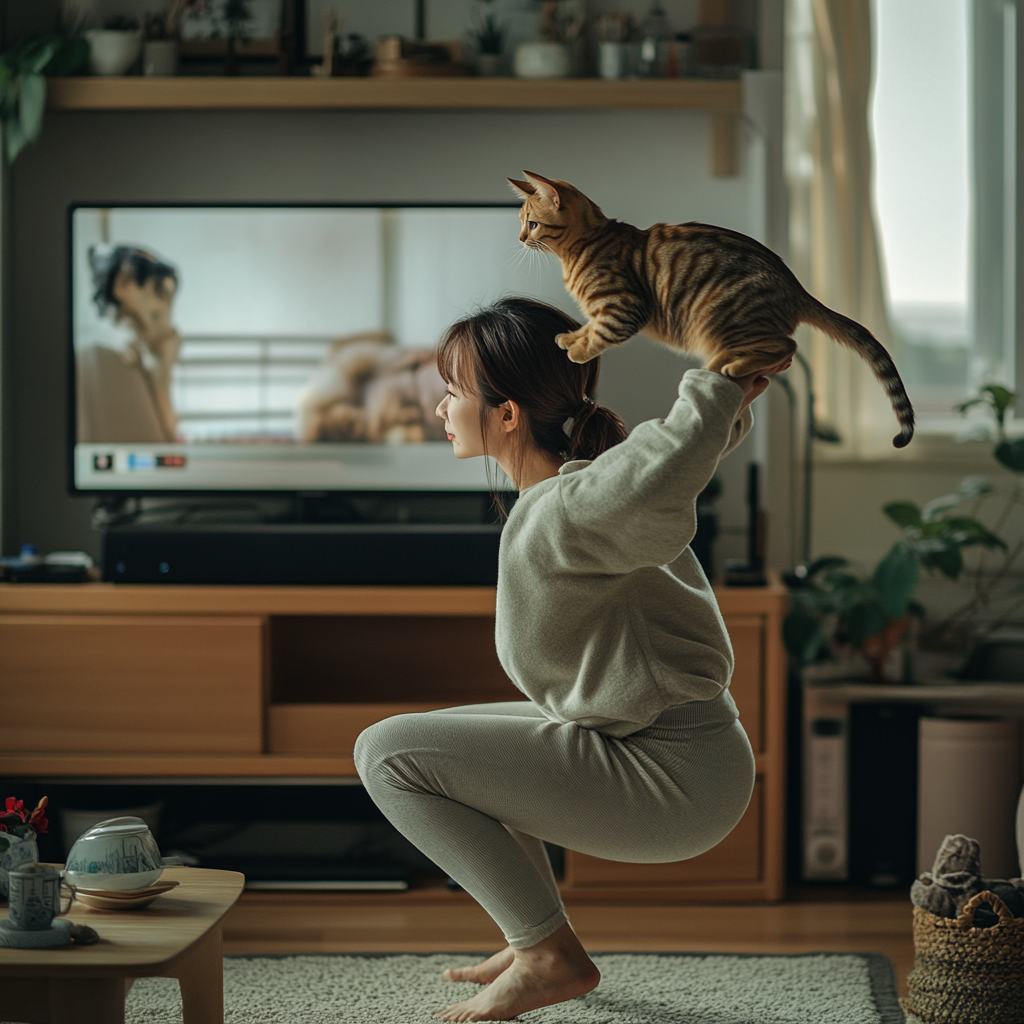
<point x="120" y="854"/>
<point x="34" y="898"/>
<point x="21" y="851"/>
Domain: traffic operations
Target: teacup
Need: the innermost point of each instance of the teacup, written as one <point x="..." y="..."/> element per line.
<point x="120" y="854"/>
<point x="34" y="897"/>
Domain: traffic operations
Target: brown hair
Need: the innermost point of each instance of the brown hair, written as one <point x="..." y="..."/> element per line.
<point x="508" y="352"/>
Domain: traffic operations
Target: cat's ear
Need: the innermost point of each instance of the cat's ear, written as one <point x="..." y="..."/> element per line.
<point x="524" y="188"/>
<point x="544" y="188"/>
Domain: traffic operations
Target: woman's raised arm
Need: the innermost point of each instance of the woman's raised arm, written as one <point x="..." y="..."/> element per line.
<point x="635" y="505"/>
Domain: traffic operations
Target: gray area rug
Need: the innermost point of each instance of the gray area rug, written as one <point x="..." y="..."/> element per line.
<point x="636" y="988"/>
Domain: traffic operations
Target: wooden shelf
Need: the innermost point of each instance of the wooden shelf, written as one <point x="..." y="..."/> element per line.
<point x="923" y="693"/>
<point x="278" y="93"/>
<point x="145" y="599"/>
<point x="723" y="100"/>
<point x="51" y="765"/>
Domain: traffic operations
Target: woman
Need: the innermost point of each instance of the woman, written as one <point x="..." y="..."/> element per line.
<point x="628" y="747"/>
<point x="124" y="395"/>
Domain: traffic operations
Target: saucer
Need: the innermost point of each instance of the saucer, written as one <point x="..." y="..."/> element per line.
<point x="57" y="935"/>
<point x="128" y="899"/>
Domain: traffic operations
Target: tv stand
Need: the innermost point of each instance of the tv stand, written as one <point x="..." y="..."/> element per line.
<point x="220" y="682"/>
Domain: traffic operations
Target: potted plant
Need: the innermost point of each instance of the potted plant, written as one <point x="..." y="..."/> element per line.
<point x="995" y="598"/>
<point x="489" y="37"/>
<point x="835" y="605"/>
<point x="235" y="16"/>
<point x="23" y="71"/>
<point x="18" y="831"/>
<point x="115" y="48"/>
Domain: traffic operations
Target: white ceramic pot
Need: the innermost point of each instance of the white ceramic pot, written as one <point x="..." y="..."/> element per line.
<point x="611" y="60"/>
<point x="113" y="51"/>
<point x="20" y="851"/>
<point x="117" y="854"/>
<point x="542" y="59"/>
<point x="160" y="57"/>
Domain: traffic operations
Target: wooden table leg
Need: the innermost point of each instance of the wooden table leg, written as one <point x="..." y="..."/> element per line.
<point x="86" y="1000"/>
<point x="201" y="978"/>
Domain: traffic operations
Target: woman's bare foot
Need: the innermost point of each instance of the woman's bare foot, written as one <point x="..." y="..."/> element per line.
<point x="553" y="971"/>
<point x="484" y="973"/>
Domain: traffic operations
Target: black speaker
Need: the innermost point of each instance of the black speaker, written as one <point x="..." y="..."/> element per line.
<point x="403" y="554"/>
<point x="883" y="794"/>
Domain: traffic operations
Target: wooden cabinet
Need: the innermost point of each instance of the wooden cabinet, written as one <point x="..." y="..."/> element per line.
<point x="131" y="683"/>
<point x="148" y="681"/>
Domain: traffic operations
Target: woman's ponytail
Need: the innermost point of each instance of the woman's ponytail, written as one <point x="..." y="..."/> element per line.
<point x="594" y="430"/>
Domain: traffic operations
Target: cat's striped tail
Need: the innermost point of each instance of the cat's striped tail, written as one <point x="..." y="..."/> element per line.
<point x="851" y="334"/>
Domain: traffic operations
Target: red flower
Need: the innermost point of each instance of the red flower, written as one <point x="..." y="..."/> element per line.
<point x="38" y="819"/>
<point x="15" y="806"/>
<point x="17" y="820"/>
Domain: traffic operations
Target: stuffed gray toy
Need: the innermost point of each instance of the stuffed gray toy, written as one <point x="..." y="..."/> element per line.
<point x="956" y="877"/>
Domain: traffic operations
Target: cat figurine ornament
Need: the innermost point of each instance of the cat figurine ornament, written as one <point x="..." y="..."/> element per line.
<point x="699" y="288"/>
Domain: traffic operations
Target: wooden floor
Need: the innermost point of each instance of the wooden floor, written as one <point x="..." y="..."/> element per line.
<point x="810" y="920"/>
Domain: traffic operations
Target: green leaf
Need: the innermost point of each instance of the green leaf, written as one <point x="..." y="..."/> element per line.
<point x="903" y="513"/>
<point x="802" y="635"/>
<point x="937" y="505"/>
<point x="4" y="843"/>
<point x="1001" y="398"/>
<point x="895" y="580"/>
<point x="974" y="486"/>
<point x="965" y="530"/>
<point x="962" y="407"/>
<point x="948" y="561"/>
<point x="864" y="620"/>
<point x="33" y="106"/>
<point x="824" y="564"/>
<point x="13" y="139"/>
<point x="70" y="56"/>
<point x="1011" y="454"/>
<point x="34" y="54"/>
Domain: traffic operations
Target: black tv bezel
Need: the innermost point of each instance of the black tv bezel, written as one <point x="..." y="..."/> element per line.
<point x="71" y="396"/>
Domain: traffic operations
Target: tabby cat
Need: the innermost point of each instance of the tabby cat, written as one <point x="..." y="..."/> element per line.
<point x="699" y="288"/>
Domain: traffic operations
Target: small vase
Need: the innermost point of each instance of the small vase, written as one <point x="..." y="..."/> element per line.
<point x="489" y="65"/>
<point x="21" y="851"/>
<point x="542" y="59"/>
<point x="113" y="51"/>
<point x="160" y="57"/>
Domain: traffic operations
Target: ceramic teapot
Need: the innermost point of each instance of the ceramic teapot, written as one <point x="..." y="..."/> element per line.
<point x="120" y="853"/>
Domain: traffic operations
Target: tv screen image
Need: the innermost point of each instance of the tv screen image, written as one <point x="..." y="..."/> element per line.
<point x="283" y="348"/>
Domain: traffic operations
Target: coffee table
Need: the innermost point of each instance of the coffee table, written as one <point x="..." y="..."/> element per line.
<point x="176" y="936"/>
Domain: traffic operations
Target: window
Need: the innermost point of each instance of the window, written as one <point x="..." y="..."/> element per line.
<point x="921" y="129"/>
<point x="944" y="124"/>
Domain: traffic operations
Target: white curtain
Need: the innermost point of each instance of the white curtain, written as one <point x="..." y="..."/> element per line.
<point x="833" y="238"/>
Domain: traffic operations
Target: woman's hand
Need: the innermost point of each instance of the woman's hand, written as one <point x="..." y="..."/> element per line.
<point x="755" y="384"/>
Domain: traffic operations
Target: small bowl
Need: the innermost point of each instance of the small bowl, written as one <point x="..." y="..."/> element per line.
<point x="113" y="51"/>
<point x="120" y="853"/>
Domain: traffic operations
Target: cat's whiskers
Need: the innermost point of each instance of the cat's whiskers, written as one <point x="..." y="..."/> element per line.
<point x="522" y="257"/>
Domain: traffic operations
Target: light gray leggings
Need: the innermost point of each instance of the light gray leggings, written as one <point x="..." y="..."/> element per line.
<point x="477" y="788"/>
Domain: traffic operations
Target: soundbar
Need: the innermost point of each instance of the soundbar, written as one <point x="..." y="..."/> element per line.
<point x="353" y="554"/>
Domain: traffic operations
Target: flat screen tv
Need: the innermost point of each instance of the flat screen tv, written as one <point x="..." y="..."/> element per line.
<point x="277" y="348"/>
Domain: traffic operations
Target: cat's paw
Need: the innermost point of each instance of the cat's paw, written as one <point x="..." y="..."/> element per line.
<point x="580" y="346"/>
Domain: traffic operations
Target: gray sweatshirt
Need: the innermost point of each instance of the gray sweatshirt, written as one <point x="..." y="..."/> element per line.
<point x="604" y="615"/>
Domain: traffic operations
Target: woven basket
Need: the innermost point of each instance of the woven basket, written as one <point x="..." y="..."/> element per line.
<point x="967" y="975"/>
